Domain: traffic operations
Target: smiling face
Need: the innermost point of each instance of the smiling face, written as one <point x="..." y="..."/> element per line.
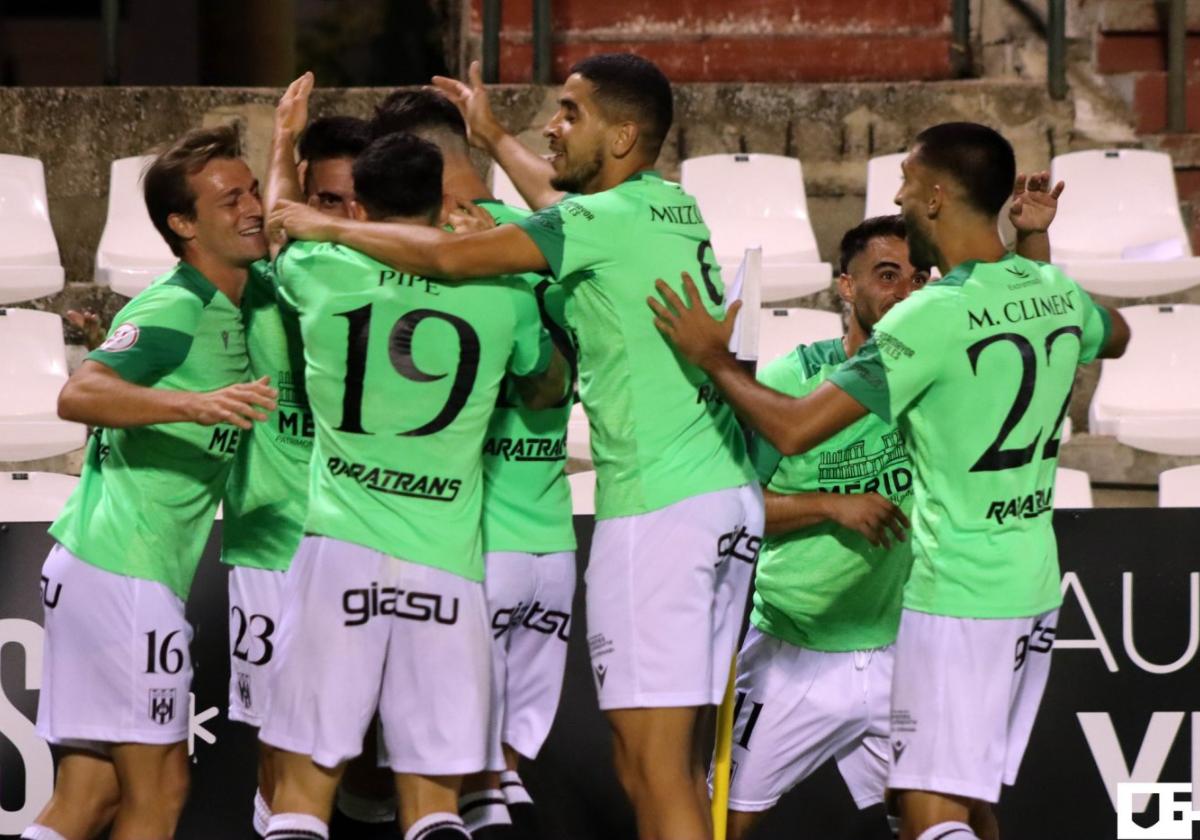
<point x="227" y="222"/>
<point x="329" y="185"/>
<point x="879" y="277"/>
<point x="578" y="135"/>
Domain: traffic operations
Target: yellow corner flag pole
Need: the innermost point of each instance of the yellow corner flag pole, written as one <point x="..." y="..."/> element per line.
<point x="722" y="756"/>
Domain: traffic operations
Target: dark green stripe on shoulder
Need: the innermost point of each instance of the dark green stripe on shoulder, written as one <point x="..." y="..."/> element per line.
<point x="190" y="278"/>
<point x="814" y="356"/>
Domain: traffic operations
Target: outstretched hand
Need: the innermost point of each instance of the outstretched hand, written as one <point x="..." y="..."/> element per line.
<point x="291" y="114"/>
<point x="88" y="322"/>
<point x="473" y="103"/>
<point x="699" y="337"/>
<point x="1034" y="203"/>
<point x="469" y="217"/>
<point x="299" y="221"/>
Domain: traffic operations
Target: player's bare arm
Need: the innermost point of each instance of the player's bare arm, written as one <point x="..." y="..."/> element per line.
<point x="98" y="396"/>
<point x="1034" y="205"/>
<point x="870" y="514"/>
<point x="291" y="115"/>
<point x="546" y="389"/>
<point x="530" y="173"/>
<point x="417" y="249"/>
<point x="791" y="425"/>
<point x="1118" y="337"/>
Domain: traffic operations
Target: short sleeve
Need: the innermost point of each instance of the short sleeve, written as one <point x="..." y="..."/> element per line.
<point x="532" y="346"/>
<point x="1097" y="327"/>
<point x="902" y="358"/>
<point x="574" y="235"/>
<point x="152" y="335"/>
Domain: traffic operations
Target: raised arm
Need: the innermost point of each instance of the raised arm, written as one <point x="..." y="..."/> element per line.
<point x="792" y="425"/>
<point x="417" y="249"/>
<point x="98" y="396"/>
<point x="291" y="116"/>
<point x="530" y="173"/>
<point x="1033" y="209"/>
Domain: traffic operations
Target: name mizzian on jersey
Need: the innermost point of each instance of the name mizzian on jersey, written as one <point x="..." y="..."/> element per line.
<point x="1029" y="506"/>
<point x="396" y="482"/>
<point x="527" y="449"/>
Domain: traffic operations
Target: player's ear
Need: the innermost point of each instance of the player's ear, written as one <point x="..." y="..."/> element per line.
<point x="624" y="138"/>
<point x="937" y="196"/>
<point x="182" y="226"/>
<point x="845" y="287"/>
<point x="358" y="212"/>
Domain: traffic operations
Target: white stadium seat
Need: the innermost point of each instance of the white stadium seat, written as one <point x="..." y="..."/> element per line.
<point x="131" y="252"/>
<point x="29" y="263"/>
<point x="1072" y="489"/>
<point x="579" y="434"/>
<point x="34" y="496"/>
<point x="1150" y="398"/>
<point x="780" y="330"/>
<point x="1179" y="487"/>
<point x="1118" y="230"/>
<point x="583" y="492"/>
<point x="751" y="200"/>
<point x="504" y="189"/>
<point x="883" y="182"/>
<point x="33" y="369"/>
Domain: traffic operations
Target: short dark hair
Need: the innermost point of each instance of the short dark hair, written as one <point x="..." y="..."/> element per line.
<point x="420" y="111"/>
<point x="629" y="85"/>
<point x="329" y="138"/>
<point x="855" y="240"/>
<point x="399" y="175"/>
<point x="165" y="184"/>
<point x="977" y="157"/>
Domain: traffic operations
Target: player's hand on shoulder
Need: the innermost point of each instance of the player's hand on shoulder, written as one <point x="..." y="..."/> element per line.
<point x="1035" y="202"/>
<point x="291" y="114"/>
<point x="472" y="100"/>
<point x="237" y="405"/>
<point x="469" y="217"/>
<point x="294" y="220"/>
<point x="699" y="337"/>
<point x="870" y="514"/>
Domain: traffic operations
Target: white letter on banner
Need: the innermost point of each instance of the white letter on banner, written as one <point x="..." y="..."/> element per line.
<point x="1151" y="757"/>
<point x="34" y="752"/>
<point x="1127" y="626"/>
<point x="1071" y="583"/>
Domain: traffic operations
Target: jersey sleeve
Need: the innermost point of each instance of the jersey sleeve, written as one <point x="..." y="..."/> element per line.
<point x="901" y="359"/>
<point x="151" y="335"/>
<point x="572" y="235"/>
<point x="532" y="346"/>
<point x="1097" y="327"/>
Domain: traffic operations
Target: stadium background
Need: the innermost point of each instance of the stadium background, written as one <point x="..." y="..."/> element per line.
<point x="831" y="83"/>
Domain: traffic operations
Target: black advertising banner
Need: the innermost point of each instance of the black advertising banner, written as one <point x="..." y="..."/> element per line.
<point x="1123" y="704"/>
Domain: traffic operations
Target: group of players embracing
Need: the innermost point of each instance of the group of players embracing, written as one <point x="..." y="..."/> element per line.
<point x="372" y="367"/>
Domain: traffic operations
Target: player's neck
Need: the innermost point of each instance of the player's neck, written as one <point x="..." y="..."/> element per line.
<point x="230" y="280"/>
<point x="856" y="335"/>
<point x="963" y="243"/>
<point x="459" y="179"/>
<point x="616" y="172"/>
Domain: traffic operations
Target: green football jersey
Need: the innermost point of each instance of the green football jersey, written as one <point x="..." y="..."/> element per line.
<point x="826" y="587"/>
<point x="978" y="370"/>
<point x="526" y="496"/>
<point x="146" y="500"/>
<point x="267" y="493"/>
<point x="660" y="431"/>
<point x="402" y="373"/>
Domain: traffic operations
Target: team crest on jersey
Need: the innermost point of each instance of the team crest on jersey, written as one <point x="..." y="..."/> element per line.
<point x="123" y="337"/>
<point x="162" y="705"/>
<point x="243" y="686"/>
